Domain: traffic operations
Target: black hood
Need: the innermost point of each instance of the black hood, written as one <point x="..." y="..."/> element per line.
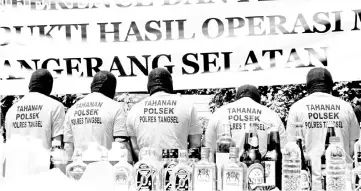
<point x="105" y="83"/>
<point x="319" y="80"/>
<point x="160" y="79"/>
<point x="248" y="91"/>
<point x="41" y="81"/>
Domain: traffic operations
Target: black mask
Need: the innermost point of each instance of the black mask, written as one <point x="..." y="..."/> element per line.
<point x="248" y="91"/>
<point x="319" y="80"/>
<point x="160" y="79"/>
<point x="41" y="81"/>
<point x="105" y="83"/>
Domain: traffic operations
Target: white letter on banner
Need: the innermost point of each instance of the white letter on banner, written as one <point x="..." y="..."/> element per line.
<point x="220" y="26"/>
<point x="357" y="18"/>
<point x="167" y="2"/>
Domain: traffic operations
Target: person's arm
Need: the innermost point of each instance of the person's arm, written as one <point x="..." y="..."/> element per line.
<point x="211" y="133"/>
<point x="195" y="130"/>
<point x="68" y="137"/>
<point x="57" y="127"/>
<point x="281" y="131"/>
<point x="354" y="130"/>
<point x="120" y="133"/>
<point x="291" y="120"/>
<point x="131" y="132"/>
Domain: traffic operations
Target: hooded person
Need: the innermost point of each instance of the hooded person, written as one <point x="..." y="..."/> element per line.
<point x="317" y="110"/>
<point x="96" y="117"/>
<point x="37" y="114"/>
<point x="240" y="114"/>
<point x="163" y="120"/>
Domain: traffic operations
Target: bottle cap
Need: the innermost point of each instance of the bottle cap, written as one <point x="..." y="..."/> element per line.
<point x="165" y="153"/>
<point x="298" y="124"/>
<point x="205" y="152"/>
<point x="330" y="124"/>
<point x="182" y="153"/>
<point x="334" y="139"/>
<point x="124" y="153"/>
<point x="233" y="152"/>
<point x="194" y="153"/>
<point x="173" y="153"/>
<point x="56" y="143"/>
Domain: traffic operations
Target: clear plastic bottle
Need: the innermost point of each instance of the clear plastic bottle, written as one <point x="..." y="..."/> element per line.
<point x="234" y="173"/>
<point x="123" y="172"/>
<point x="16" y="157"/>
<point x="145" y="172"/>
<point x="205" y="173"/>
<point x="114" y="154"/>
<point x="76" y="169"/>
<point x="335" y="166"/>
<point x="181" y="177"/>
<point x="291" y="166"/>
<point x="356" y="172"/>
<point x="155" y="159"/>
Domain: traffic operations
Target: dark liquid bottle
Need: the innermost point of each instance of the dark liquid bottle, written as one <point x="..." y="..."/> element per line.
<point x="253" y="156"/>
<point x="272" y="161"/>
<point x="245" y="146"/>
<point x="330" y="133"/>
<point x="306" y="171"/>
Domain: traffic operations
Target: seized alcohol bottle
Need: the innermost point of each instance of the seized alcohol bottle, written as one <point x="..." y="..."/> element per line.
<point x="205" y="173"/>
<point x="335" y="166"/>
<point x="272" y="161"/>
<point x="246" y="144"/>
<point x="168" y="167"/>
<point x="234" y="173"/>
<point x="330" y="133"/>
<point x="291" y="166"/>
<point x="76" y="169"/>
<point x="145" y="171"/>
<point x="306" y="171"/>
<point x="123" y="172"/>
<point x="356" y="172"/>
<point x="182" y="173"/>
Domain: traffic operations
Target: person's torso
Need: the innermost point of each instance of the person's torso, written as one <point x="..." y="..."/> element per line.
<point x="32" y="116"/>
<point x="92" y="120"/>
<point x="241" y="114"/>
<point x="162" y="121"/>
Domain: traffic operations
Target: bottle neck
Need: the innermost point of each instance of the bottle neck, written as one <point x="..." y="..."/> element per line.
<point x="273" y="141"/>
<point x="204" y="158"/>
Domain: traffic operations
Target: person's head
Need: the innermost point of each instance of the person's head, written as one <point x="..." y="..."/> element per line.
<point x="159" y="79"/>
<point x="319" y="80"/>
<point x="248" y="91"/>
<point x="41" y="81"/>
<point x="104" y="82"/>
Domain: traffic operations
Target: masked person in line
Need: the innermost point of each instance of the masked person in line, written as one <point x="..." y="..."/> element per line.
<point x="96" y="117"/>
<point x="163" y="120"/>
<point x="37" y="114"/>
<point x="317" y="110"/>
<point x="240" y="114"/>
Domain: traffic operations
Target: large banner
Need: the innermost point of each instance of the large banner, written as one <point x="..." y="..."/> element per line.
<point x="203" y="43"/>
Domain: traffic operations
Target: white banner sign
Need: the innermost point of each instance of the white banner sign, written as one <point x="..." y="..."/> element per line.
<point x="203" y="43"/>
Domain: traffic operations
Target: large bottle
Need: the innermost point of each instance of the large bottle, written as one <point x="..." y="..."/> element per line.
<point x="335" y="166"/>
<point x="205" y="173"/>
<point x="182" y="173"/>
<point x="168" y="167"/>
<point x="246" y="144"/>
<point x="234" y="173"/>
<point x="146" y="171"/>
<point x="356" y="172"/>
<point x="123" y="172"/>
<point x="254" y="156"/>
<point x="306" y="172"/>
<point x="272" y="161"/>
<point x="330" y="133"/>
<point x="224" y="143"/>
<point x="291" y="166"/>
<point x="76" y="169"/>
<point x="59" y="158"/>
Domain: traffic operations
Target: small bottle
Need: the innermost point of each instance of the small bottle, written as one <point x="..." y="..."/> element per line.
<point x="291" y="166"/>
<point x="272" y="161"/>
<point x="306" y="173"/>
<point x="254" y="156"/>
<point x="335" y="166"/>
<point x="356" y="172"/>
<point x="182" y="173"/>
<point x="155" y="160"/>
<point x="224" y="143"/>
<point x="205" y="173"/>
<point x="145" y="171"/>
<point x="330" y="133"/>
<point x="123" y="172"/>
<point x="234" y="173"/>
<point x="194" y="156"/>
<point x="76" y="169"/>
<point x="168" y="168"/>
<point x="114" y="154"/>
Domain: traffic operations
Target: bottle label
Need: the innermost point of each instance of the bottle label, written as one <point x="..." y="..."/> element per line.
<point x="203" y="179"/>
<point x="305" y="180"/>
<point x="182" y="180"/>
<point x="167" y="180"/>
<point x="334" y="183"/>
<point x="76" y="173"/>
<point x="358" y="156"/>
<point x="270" y="172"/>
<point x="255" y="176"/>
<point x="121" y="178"/>
<point x="232" y="180"/>
<point x="290" y="182"/>
<point x="222" y="158"/>
<point x="144" y="178"/>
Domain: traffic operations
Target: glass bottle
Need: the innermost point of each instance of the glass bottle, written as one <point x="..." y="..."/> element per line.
<point x="194" y="156"/>
<point x="254" y="156"/>
<point x="245" y="153"/>
<point x="272" y="161"/>
<point x="76" y="169"/>
<point x="182" y="173"/>
<point x="330" y="133"/>
<point x="234" y="173"/>
<point x="205" y="173"/>
<point x="224" y="143"/>
<point x="168" y="167"/>
<point x="291" y="166"/>
<point x="123" y="172"/>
